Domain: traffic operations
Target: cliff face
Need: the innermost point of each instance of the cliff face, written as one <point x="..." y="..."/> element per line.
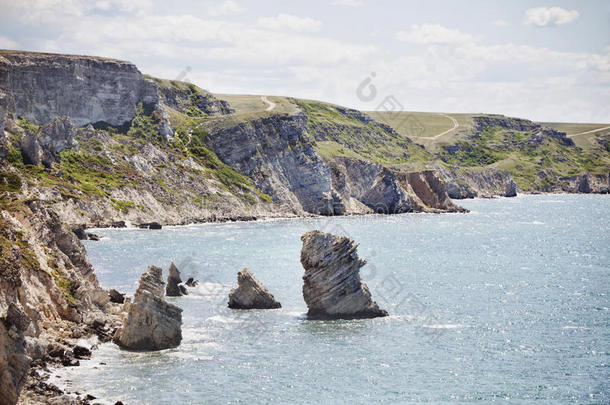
<point x="49" y="293"/>
<point x="477" y="183"/>
<point x="278" y="154"/>
<point x="87" y="89"/>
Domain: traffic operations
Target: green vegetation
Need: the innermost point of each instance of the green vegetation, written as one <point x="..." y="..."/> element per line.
<point x="9" y="182"/>
<point x="339" y="133"/>
<point x="145" y="125"/>
<point x="121" y="205"/>
<point x="27" y="124"/>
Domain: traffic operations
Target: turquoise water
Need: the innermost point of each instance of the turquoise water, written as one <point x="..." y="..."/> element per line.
<point x="507" y="303"/>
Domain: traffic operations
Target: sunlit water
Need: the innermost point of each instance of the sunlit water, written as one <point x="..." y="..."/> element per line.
<point x="508" y="303"/>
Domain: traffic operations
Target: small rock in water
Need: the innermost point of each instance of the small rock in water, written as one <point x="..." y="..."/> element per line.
<point x="191" y="282"/>
<point x="149" y="322"/>
<point x="174" y="287"/>
<point x="251" y="293"/>
<point x="81" y="352"/>
<point x="332" y="287"/>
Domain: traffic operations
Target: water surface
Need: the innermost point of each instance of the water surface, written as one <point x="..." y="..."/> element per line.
<point x="508" y="303"/>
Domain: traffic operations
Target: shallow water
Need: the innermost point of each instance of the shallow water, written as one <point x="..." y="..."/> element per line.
<point x="509" y="302"/>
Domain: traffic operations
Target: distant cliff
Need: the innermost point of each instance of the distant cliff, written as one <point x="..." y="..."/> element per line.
<point x="88" y="89"/>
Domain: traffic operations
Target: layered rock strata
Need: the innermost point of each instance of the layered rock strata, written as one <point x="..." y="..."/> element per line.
<point x="331" y="285"/>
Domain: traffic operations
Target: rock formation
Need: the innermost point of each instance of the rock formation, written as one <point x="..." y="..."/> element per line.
<point x="251" y="293"/>
<point x="332" y="287"/>
<point x="428" y="191"/>
<point x="14" y="360"/>
<point x="150" y="323"/>
<point x="174" y="286"/>
<point x="478" y="182"/>
<point x="115" y="296"/>
<point x="88" y="89"/>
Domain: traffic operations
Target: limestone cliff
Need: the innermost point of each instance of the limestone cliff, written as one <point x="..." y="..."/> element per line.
<point x="278" y="154"/>
<point x="49" y="294"/>
<point x="477" y="182"/>
<point x="88" y="89"/>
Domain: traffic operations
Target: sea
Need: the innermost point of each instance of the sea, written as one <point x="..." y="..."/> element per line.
<point x="508" y="303"/>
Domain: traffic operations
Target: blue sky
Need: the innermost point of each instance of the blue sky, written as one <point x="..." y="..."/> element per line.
<point x="546" y="60"/>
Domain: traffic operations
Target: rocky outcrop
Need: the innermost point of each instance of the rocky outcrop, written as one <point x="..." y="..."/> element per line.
<point x="278" y="156"/>
<point x="359" y="182"/>
<point x="584" y="183"/>
<point x="41" y="86"/>
<point x="251" y="293"/>
<point x="174" y="286"/>
<point x="477" y="182"/>
<point x="360" y="186"/>
<point x="429" y="191"/>
<point x="181" y="96"/>
<point x="150" y="323"/>
<point x="49" y="291"/>
<point x="14" y="359"/>
<point x="46" y="145"/>
<point x="332" y="287"/>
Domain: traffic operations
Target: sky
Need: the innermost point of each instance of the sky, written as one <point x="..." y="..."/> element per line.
<point x="542" y="60"/>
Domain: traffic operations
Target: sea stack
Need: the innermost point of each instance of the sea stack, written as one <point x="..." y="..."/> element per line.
<point x="251" y="293"/>
<point x="332" y="287"/>
<point x="150" y="323"/>
<point x="174" y="283"/>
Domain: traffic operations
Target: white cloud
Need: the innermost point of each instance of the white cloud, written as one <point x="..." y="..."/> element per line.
<point x="348" y="3"/>
<point x="227" y="7"/>
<point x="548" y="16"/>
<point x="433" y="34"/>
<point x="127" y="6"/>
<point x="501" y="23"/>
<point x="6" y="43"/>
<point x="290" y="22"/>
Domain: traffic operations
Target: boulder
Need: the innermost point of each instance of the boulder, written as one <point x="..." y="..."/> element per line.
<point x="174" y="287"/>
<point x="116" y="296"/>
<point x="191" y="282"/>
<point x="150" y="323"/>
<point x="332" y="287"/>
<point x="251" y="293"/>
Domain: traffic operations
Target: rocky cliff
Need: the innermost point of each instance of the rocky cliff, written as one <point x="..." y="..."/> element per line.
<point x="88" y="89"/>
<point x="477" y="182"/>
<point x="49" y="293"/>
<point x="278" y="154"/>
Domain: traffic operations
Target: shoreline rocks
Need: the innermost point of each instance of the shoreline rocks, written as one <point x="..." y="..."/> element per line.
<point x="150" y="323"/>
<point x="251" y="293"/>
<point x="332" y="287"/>
<point x="174" y="286"/>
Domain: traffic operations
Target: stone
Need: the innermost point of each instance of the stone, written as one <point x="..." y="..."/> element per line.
<point x="81" y="352"/>
<point x="251" y="293"/>
<point x="332" y="287"/>
<point x="191" y="282"/>
<point x="149" y="322"/>
<point x="88" y="89"/>
<point x="173" y="288"/>
<point x="116" y="296"/>
<point x="14" y="359"/>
